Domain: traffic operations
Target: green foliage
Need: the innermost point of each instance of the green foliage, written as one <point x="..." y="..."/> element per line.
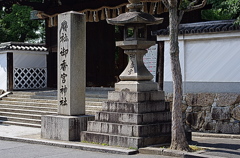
<point x="222" y="10"/>
<point x="18" y="27"/>
<point x="184" y="4"/>
<point x="215" y="14"/>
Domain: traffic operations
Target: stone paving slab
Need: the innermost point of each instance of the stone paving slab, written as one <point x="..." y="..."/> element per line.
<point x="74" y="145"/>
<point x="174" y="153"/>
<point x="214" y="135"/>
<point x="32" y="135"/>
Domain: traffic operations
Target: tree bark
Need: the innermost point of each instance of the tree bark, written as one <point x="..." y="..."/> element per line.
<point x="179" y="141"/>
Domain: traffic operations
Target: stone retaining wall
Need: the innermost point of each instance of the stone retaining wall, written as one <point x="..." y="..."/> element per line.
<point x="211" y="112"/>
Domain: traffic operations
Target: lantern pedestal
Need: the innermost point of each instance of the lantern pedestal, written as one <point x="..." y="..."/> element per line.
<point x="136" y="86"/>
<point x="132" y="120"/>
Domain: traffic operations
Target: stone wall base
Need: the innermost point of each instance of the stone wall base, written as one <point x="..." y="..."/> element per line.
<point x="211" y="112"/>
<point x="66" y="128"/>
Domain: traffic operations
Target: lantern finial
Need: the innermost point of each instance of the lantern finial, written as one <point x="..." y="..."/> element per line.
<point x="134" y="6"/>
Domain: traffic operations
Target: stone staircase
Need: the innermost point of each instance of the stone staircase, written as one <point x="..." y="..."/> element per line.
<point x="25" y="108"/>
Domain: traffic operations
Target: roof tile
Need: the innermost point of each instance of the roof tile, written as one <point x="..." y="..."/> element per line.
<point x="22" y="46"/>
<point x="202" y="27"/>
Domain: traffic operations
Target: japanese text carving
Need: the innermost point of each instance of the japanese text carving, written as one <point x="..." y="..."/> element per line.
<point x="63" y="62"/>
<point x="63" y="65"/>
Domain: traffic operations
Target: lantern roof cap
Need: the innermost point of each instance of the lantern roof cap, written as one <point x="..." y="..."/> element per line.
<point x="135" y="18"/>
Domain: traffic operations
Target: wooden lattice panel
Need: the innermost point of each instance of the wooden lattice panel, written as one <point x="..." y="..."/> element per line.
<point x="30" y="78"/>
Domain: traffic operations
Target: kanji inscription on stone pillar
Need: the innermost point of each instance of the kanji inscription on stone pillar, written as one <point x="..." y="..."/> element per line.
<point x="71" y="63"/>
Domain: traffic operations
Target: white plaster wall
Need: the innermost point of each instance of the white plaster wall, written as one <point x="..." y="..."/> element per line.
<point x="167" y="60"/>
<point x="29" y="60"/>
<point x="3" y="71"/>
<point x="206" y="57"/>
<point x="213" y="60"/>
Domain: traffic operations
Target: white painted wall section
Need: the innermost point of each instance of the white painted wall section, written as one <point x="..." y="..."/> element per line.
<point x="167" y="60"/>
<point x="213" y="60"/>
<point x="3" y="71"/>
<point x="27" y="60"/>
<point x="209" y="62"/>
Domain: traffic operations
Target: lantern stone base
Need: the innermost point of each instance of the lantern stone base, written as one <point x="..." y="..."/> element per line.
<point x="131" y="119"/>
<point x="136" y="86"/>
<point x="66" y="128"/>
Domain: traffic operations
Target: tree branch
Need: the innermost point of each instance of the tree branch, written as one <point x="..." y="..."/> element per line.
<point x="181" y="12"/>
<point x="192" y="5"/>
<point x="166" y="4"/>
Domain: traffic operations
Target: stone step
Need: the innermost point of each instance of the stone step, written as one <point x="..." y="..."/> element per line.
<point x="20" y="124"/>
<point x="90" y="112"/>
<point x="40" y="104"/>
<point x="24" y="111"/>
<point x="124" y="141"/>
<point x="37" y="92"/>
<point x="46" y="93"/>
<point x="24" y="96"/>
<point x="20" y="115"/>
<point x="129" y="129"/>
<point x="142" y="107"/>
<point x="96" y="95"/>
<point x="18" y="119"/>
<point x="44" y="97"/>
<point x="95" y="99"/>
<point x="89" y="93"/>
<point x="51" y="99"/>
<point x="93" y="103"/>
<point x="133" y="97"/>
<point x="28" y="107"/>
<point x="29" y="100"/>
<point x="133" y="118"/>
<point x="22" y="107"/>
<point x="14" y="95"/>
<point x="94" y="108"/>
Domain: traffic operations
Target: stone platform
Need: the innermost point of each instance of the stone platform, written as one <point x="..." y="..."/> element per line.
<point x="68" y="128"/>
<point x="131" y="119"/>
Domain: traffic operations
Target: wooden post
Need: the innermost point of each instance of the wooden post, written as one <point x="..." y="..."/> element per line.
<point x="9" y="71"/>
<point x="160" y="65"/>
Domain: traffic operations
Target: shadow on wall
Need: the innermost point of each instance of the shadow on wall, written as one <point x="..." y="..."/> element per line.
<point x="2" y="119"/>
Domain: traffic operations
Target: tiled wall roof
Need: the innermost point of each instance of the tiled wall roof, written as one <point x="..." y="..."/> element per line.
<point x="203" y="27"/>
<point x="22" y="46"/>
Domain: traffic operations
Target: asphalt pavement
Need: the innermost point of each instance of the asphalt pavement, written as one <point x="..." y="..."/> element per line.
<point x="14" y="149"/>
<point x="18" y="141"/>
<point x="222" y="147"/>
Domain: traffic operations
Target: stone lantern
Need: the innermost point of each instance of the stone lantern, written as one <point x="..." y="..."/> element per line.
<point x="135" y="77"/>
<point x="135" y="114"/>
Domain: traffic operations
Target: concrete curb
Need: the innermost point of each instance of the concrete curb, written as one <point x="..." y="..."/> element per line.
<point x="216" y="135"/>
<point x="174" y="153"/>
<point x="74" y="145"/>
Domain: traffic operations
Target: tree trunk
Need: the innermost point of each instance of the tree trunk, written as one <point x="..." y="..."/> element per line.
<point x="179" y="141"/>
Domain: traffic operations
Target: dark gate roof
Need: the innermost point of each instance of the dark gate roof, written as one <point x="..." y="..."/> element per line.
<point x="95" y="10"/>
<point x="58" y="6"/>
<point x="203" y="27"/>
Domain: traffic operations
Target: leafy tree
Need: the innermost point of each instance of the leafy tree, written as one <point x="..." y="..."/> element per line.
<point x="17" y="25"/>
<point x="223" y="10"/>
<point x="176" y="10"/>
